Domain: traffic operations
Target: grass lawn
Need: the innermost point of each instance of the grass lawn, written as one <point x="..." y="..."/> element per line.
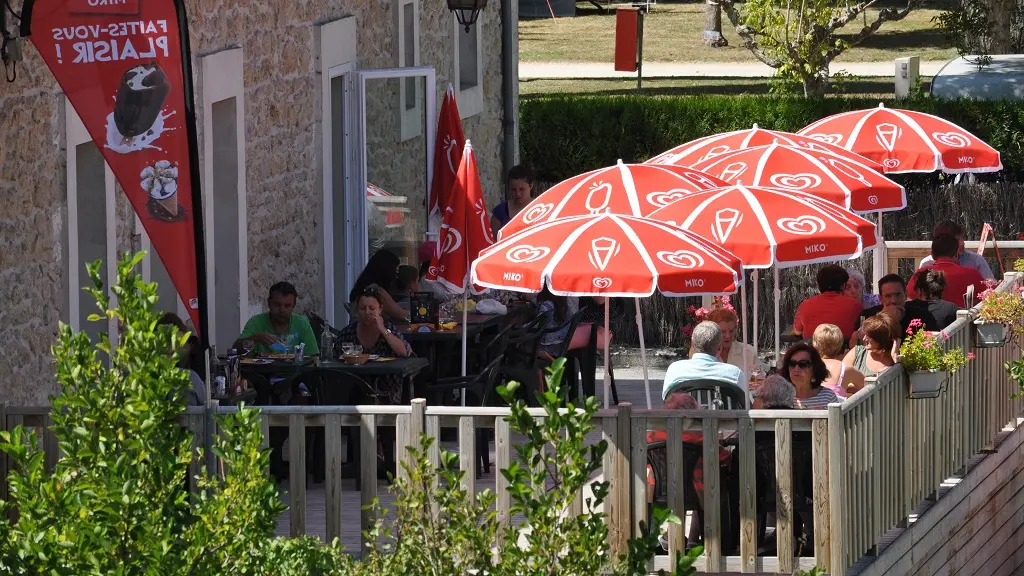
<point x="690" y="87"/>
<point x="672" y="33"/>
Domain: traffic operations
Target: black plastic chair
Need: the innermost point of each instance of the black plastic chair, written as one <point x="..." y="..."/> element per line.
<point x="522" y="361"/>
<point x="482" y="388"/>
<point x="715" y="395"/>
<point x="570" y="377"/>
<point x="331" y="388"/>
<point x="801" y="480"/>
<point x="657" y="459"/>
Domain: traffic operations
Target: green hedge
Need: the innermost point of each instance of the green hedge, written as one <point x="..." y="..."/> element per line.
<point x="561" y="136"/>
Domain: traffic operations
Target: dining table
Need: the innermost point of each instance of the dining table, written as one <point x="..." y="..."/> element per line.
<point x="278" y="369"/>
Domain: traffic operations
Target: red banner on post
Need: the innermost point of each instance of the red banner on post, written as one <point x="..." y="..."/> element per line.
<point x="121" y="64"/>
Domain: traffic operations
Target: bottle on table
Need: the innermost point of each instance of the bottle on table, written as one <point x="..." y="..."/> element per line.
<point x="327" y="344"/>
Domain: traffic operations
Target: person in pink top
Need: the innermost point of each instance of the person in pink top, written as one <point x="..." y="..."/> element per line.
<point x="958" y="278"/>
<point x="829" y="307"/>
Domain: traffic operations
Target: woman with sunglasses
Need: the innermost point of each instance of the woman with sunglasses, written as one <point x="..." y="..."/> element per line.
<point x="803" y="367"/>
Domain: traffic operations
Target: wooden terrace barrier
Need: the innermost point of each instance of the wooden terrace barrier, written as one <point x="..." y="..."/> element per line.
<point x="874" y="457"/>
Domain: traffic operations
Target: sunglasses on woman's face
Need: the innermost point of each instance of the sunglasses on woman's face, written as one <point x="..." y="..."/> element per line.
<point x="802" y="364"/>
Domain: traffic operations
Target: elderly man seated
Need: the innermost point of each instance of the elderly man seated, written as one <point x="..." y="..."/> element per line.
<point x="704" y="365"/>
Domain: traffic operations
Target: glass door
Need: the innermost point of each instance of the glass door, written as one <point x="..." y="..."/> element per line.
<point x="397" y="122"/>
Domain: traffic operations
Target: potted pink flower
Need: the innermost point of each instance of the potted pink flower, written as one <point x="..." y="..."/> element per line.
<point x="1000" y="314"/>
<point x="926" y="362"/>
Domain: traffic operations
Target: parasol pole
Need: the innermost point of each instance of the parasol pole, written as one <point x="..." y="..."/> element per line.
<point x="778" y="295"/>
<point x="879" y="260"/>
<point x="465" y="317"/>
<point x="643" y="350"/>
<point x="743" y="321"/>
<point x="756" y="298"/>
<point x="607" y="379"/>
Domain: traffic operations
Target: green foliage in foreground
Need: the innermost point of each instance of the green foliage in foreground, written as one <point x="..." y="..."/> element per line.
<point x="117" y="502"/>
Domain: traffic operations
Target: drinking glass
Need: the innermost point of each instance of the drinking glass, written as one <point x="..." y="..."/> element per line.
<point x="347" y="348"/>
<point x="248" y="346"/>
<point x="357" y="349"/>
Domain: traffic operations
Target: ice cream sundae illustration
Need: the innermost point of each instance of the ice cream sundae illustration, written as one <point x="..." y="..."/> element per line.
<point x="138" y="117"/>
<point x="160" y="181"/>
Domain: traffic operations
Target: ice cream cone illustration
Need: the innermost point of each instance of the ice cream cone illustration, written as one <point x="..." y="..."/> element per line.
<point x="160" y="181"/>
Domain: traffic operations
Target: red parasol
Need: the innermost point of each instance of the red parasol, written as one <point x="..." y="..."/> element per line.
<point x="839" y="179"/>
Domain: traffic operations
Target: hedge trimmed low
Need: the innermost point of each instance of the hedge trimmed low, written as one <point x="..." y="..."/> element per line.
<point x="565" y="135"/>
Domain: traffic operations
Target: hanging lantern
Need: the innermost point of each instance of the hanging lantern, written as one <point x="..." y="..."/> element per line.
<point x="466" y="11"/>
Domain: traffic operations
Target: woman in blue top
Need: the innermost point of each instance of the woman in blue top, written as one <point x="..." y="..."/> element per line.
<point x="519" y="193"/>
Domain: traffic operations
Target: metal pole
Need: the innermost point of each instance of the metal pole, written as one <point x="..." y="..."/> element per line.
<point x="640" y="49"/>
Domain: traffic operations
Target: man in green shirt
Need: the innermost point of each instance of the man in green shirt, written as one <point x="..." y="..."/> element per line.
<point x="280" y="330"/>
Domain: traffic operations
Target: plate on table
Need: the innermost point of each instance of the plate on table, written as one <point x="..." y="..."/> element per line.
<point x="257" y="361"/>
<point x="381" y="359"/>
<point x="279" y="356"/>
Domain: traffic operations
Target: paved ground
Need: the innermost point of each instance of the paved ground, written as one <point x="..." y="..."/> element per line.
<point x="697" y="69"/>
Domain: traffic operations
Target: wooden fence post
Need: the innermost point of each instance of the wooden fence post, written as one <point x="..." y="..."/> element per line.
<point x="619" y="510"/>
<point x="332" y="475"/>
<point x="297" y="473"/>
<point x="836" y="490"/>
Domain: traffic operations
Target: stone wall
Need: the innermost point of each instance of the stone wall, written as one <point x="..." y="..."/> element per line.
<point x="282" y="109"/>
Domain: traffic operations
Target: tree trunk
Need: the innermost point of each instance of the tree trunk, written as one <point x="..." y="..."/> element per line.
<point x="1000" y="14"/>
<point x="713" y="25"/>
<point x="816" y="85"/>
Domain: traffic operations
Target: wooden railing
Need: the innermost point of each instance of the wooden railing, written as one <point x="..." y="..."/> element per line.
<point x="874" y="457"/>
<point x="917" y="250"/>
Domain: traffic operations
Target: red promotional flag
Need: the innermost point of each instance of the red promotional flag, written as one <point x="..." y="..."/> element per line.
<point x="465" y="230"/>
<point x="447" y="153"/>
<point x="124" y="67"/>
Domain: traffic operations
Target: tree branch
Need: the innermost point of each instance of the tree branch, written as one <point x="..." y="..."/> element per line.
<point x="746" y="33"/>
<point x="884" y="15"/>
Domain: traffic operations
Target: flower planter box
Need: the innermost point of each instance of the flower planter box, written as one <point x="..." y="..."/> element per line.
<point x="926" y="383"/>
<point x="989" y="335"/>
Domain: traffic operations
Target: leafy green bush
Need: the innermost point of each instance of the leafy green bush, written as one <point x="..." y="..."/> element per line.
<point x="118" y="503"/>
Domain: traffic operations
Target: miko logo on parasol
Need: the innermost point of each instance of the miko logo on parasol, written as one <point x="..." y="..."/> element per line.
<point x="805" y="225"/>
<point x="537" y="212"/>
<point x="685" y="259"/>
<point x="796" y="181"/>
<point x="952" y="139"/>
<point x="525" y="254"/>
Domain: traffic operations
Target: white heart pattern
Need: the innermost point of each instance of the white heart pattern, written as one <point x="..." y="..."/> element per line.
<point x="662" y="199"/>
<point x="684" y="259"/>
<point x="602" y="283"/>
<point x="891" y="163"/>
<point x="834" y="139"/>
<point x="873" y="200"/>
<point x="953" y="139"/>
<point x="524" y="253"/>
<point x="452" y="240"/>
<point x="536" y="212"/>
<point x="796" y="181"/>
<point x="805" y="225"/>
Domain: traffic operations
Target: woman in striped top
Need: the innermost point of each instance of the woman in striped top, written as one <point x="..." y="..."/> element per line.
<point x="804" y="368"/>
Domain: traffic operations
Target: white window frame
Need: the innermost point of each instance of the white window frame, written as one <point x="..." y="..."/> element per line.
<point x="337" y="57"/>
<point x="222" y="79"/>
<point x="470" y="100"/>
<point x="409" y="117"/>
<point x="75" y="134"/>
<point x="357" y="252"/>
